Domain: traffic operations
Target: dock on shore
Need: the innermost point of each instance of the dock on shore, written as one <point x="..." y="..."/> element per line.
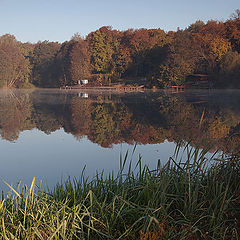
<point x="176" y="89"/>
<point x="106" y="88"/>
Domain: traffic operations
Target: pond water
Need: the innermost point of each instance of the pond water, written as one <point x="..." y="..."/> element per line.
<point x="53" y="134"/>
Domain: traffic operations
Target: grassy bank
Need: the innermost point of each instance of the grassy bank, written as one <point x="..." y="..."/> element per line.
<point x="183" y="199"/>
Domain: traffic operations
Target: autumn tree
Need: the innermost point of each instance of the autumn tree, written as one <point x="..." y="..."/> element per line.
<point x="212" y="46"/>
<point x="79" y="65"/>
<point x="14" y="67"/>
<point x="146" y="48"/>
<point x="73" y="61"/>
<point x="139" y="42"/>
<point x="157" y="52"/>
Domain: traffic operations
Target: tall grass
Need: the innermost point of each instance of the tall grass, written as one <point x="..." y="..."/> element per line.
<point x="183" y="199"/>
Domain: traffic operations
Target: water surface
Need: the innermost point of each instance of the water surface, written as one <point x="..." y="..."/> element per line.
<point x="52" y="134"/>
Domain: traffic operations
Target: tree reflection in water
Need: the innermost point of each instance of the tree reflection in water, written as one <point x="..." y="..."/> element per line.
<point x="107" y="119"/>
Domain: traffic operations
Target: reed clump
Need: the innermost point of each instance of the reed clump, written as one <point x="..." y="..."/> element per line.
<point x="187" y="198"/>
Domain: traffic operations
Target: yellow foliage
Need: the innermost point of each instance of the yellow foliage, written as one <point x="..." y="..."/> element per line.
<point x="219" y="47"/>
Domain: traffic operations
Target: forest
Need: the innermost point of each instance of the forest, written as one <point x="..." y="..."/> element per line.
<point x="152" y="57"/>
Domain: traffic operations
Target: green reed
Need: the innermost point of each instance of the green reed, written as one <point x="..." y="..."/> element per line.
<point x="186" y="198"/>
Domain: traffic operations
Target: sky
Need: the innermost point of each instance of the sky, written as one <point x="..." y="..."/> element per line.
<point x="58" y="20"/>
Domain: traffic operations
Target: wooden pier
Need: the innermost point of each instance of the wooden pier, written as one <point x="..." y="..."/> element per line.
<point x="176" y="89"/>
<point x="107" y="88"/>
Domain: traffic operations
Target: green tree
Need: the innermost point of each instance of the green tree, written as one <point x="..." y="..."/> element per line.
<point x="122" y="59"/>
<point x="232" y="31"/>
<point x="229" y="70"/>
<point x="44" y="65"/>
<point x="63" y="64"/>
<point x="103" y="44"/>
<point x="195" y="27"/>
<point x="180" y="61"/>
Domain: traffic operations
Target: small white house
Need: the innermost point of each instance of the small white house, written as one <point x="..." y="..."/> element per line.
<point x="82" y="82"/>
<point x="83" y="95"/>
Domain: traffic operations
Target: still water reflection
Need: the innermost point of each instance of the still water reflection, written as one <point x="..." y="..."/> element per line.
<point x="52" y="134"/>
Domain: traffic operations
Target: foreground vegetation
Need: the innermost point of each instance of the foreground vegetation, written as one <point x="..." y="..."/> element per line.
<point x="184" y="199"/>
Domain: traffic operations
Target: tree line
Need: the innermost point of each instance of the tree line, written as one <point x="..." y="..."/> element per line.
<point x="106" y="56"/>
